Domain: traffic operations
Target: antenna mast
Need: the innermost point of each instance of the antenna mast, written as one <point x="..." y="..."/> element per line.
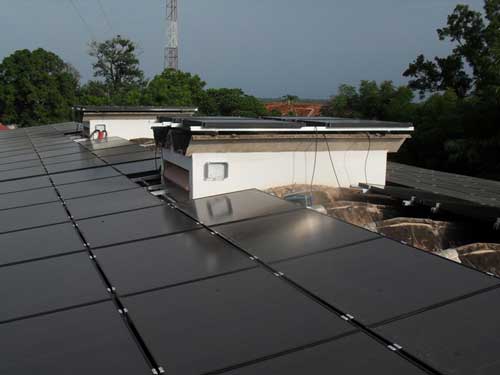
<point x="172" y="45"/>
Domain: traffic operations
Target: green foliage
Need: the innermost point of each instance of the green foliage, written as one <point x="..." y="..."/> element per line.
<point x="476" y="38"/>
<point x="232" y="102"/>
<point x="175" y="88"/>
<point x="290" y="99"/>
<point x="372" y="101"/>
<point x="117" y="64"/>
<point x="36" y="87"/>
<point x="457" y="128"/>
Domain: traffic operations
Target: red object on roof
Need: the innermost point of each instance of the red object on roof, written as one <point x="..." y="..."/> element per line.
<point x="3" y="127"/>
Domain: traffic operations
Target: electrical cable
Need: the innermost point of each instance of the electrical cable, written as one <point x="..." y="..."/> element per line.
<point x="331" y="160"/>
<point x="314" y="166"/>
<point x="87" y="26"/>
<point x="105" y="16"/>
<point x="367" y="156"/>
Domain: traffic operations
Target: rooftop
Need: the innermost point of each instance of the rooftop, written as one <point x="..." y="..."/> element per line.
<point x="240" y="283"/>
<point x="132" y="109"/>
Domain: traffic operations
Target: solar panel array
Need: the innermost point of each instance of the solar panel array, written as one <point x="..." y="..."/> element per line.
<point x="97" y="276"/>
<point x="455" y="193"/>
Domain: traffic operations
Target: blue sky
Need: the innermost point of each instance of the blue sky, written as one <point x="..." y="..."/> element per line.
<point x="267" y="47"/>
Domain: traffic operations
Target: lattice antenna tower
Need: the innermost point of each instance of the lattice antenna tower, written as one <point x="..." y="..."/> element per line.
<point x="172" y="43"/>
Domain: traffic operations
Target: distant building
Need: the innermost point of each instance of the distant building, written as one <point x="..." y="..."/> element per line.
<point x="215" y="155"/>
<point x="125" y="122"/>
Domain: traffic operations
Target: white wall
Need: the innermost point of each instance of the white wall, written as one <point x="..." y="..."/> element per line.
<point x="270" y="169"/>
<point x="126" y="128"/>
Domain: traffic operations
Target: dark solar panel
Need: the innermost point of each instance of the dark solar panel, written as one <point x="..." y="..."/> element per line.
<point x="119" y="150"/>
<point x="32" y="216"/>
<point x="379" y="280"/>
<point x="460" y="338"/>
<point x="109" y="203"/>
<point x="293" y="234"/>
<point x="38" y="243"/>
<point x="24" y="184"/>
<point x="68" y="158"/>
<point x="134" y="225"/>
<point x="88" y="340"/>
<point x="22" y="173"/>
<point x="130" y="157"/>
<point x="356" y="354"/>
<point x="139" y="167"/>
<point x="59" y="152"/>
<point x="84" y="175"/>
<point x="475" y="190"/>
<point x="239" y="123"/>
<point x="20" y="165"/>
<point x="18" y="158"/>
<point x="58" y="146"/>
<point x="7" y="154"/>
<point x="27" y="198"/>
<point x="235" y="206"/>
<point x="228" y="320"/>
<point x="48" y="285"/>
<point x="170" y="260"/>
<point x="74" y="165"/>
<point x="93" y="187"/>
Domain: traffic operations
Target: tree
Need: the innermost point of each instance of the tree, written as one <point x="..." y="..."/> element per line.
<point x="232" y="102"/>
<point x="372" y="101"/>
<point x="36" y="87"/>
<point x="117" y="65"/>
<point x="175" y="88"/>
<point x="477" y="45"/>
<point x="290" y="99"/>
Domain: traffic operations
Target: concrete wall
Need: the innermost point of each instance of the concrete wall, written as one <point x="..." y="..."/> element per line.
<point x="125" y="128"/>
<point x="264" y="170"/>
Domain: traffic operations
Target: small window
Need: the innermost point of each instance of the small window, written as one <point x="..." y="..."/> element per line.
<point x="216" y="171"/>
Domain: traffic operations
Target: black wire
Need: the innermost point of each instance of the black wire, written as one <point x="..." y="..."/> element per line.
<point x="87" y="26"/>
<point x="314" y="167"/>
<point x="367" y="156"/>
<point x="105" y="15"/>
<point x="331" y="160"/>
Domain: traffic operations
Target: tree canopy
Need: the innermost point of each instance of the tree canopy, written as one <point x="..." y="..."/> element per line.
<point x="175" y="88"/>
<point x="476" y="39"/>
<point x="117" y="64"/>
<point x="372" y="101"/>
<point x="232" y="102"/>
<point x="36" y="88"/>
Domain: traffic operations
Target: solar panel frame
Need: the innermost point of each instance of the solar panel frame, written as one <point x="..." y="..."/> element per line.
<point x="341" y="356"/>
<point x="134" y="225"/>
<point x="293" y="234"/>
<point x="82" y="285"/>
<point x="110" y="203"/>
<point x="39" y="243"/>
<point x="83" y="175"/>
<point x="95" y="187"/>
<point x="251" y="313"/>
<point x="28" y="198"/>
<point x="382" y="280"/>
<point x="168" y="261"/>
<point x="15" y="219"/>
<point x="456" y="338"/>
<point x="88" y="340"/>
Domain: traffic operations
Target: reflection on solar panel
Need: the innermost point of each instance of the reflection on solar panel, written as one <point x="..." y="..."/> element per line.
<point x="97" y="276"/>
